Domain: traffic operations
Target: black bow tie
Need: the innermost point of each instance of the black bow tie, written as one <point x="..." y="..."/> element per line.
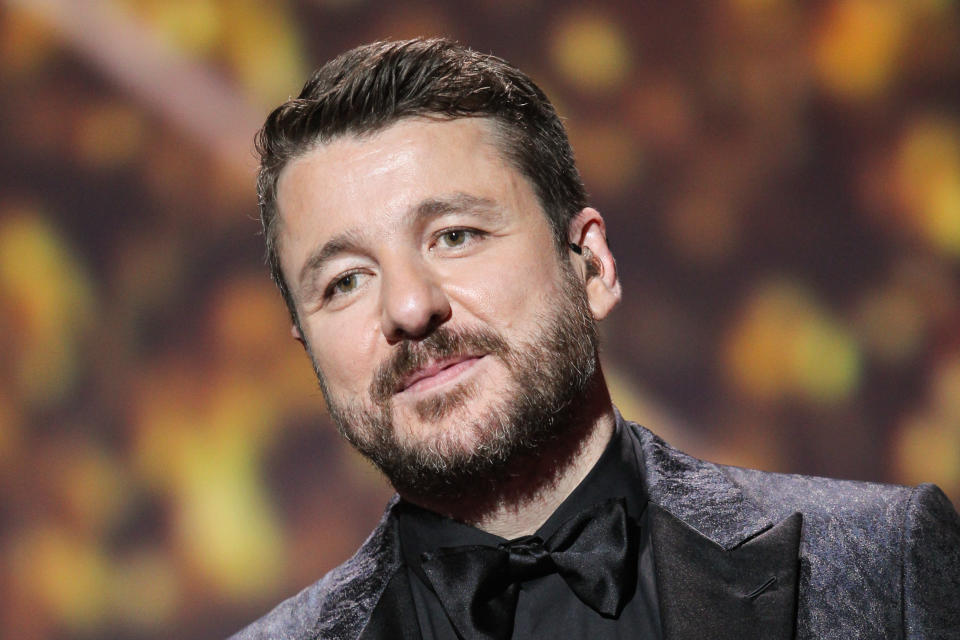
<point x="595" y="552"/>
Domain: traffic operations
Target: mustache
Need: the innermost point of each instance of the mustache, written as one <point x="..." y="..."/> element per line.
<point x="441" y="344"/>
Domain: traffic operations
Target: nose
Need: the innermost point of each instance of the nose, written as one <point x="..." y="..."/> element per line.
<point x="412" y="302"/>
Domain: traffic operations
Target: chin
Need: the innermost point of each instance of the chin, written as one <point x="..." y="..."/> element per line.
<point x="448" y="422"/>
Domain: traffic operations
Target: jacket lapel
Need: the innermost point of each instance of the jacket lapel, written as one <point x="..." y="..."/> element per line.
<point x="706" y="591"/>
<point x="724" y="568"/>
<point x="395" y="617"/>
<point x="361" y="593"/>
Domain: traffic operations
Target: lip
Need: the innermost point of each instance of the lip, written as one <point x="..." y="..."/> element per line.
<point x="437" y="373"/>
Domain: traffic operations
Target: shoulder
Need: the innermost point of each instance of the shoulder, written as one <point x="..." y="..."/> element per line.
<point x="866" y="524"/>
<point x="931" y="566"/>
<point x="340" y="603"/>
<point x="828" y="497"/>
<point x="871" y="556"/>
<point x="836" y="513"/>
<point x="780" y="494"/>
<point x="886" y="543"/>
<point x="863" y="508"/>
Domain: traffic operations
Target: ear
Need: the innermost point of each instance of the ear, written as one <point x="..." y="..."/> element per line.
<point x="295" y="332"/>
<point x="602" y="283"/>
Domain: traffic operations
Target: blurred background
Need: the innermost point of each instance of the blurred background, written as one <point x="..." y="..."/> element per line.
<point x="781" y="183"/>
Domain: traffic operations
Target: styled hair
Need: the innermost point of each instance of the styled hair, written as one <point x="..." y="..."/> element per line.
<point x="366" y="89"/>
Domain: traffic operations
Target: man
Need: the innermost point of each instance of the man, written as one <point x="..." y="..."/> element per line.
<point x="429" y="232"/>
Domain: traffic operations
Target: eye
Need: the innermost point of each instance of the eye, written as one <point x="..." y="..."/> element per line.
<point x="343" y="285"/>
<point x="454" y="237"/>
<point x="457" y="238"/>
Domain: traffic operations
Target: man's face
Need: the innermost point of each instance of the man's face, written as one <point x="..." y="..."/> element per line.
<point x="438" y="313"/>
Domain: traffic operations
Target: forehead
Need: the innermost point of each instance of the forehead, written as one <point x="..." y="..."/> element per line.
<point x="368" y="183"/>
<point x="354" y="165"/>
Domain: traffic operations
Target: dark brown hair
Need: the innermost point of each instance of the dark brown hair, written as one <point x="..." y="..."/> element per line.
<point x="369" y="88"/>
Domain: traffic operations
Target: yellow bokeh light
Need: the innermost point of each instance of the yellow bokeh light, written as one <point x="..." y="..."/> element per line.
<point x="66" y="574"/>
<point x="199" y="439"/>
<point x="857" y="46"/>
<point x="929" y="180"/>
<point x="590" y="50"/>
<point x="261" y="46"/>
<point x="179" y="406"/>
<point x="164" y="414"/>
<point x="826" y="360"/>
<point x="26" y="42"/>
<point x="928" y="450"/>
<point x="943" y="214"/>
<point x="784" y="344"/>
<point x="258" y="42"/>
<point x="225" y="523"/>
<point x="754" y="350"/>
<point x="191" y="26"/>
<point x="46" y="295"/>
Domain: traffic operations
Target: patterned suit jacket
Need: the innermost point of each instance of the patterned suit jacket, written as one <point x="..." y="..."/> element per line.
<point x="739" y="554"/>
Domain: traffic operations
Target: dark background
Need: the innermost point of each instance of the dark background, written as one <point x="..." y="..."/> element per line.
<point x="781" y="184"/>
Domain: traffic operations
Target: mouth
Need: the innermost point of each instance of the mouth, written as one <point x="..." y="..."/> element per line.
<point x="437" y="373"/>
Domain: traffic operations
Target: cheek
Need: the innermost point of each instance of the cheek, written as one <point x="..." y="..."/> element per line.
<point x="346" y="354"/>
<point x="507" y="299"/>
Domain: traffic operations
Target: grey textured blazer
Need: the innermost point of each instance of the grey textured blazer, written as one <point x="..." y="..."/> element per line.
<point x="739" y="554"/>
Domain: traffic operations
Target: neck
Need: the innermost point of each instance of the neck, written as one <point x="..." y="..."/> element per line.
<point x="532" y="488"/>
<point x="512" y="519"/>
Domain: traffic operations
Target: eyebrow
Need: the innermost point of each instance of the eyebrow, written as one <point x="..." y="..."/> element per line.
<point x="424" y="211"/>
<point x="456" y="203"/>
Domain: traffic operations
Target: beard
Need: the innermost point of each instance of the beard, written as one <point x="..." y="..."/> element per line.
<point x="547" y="376"/>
